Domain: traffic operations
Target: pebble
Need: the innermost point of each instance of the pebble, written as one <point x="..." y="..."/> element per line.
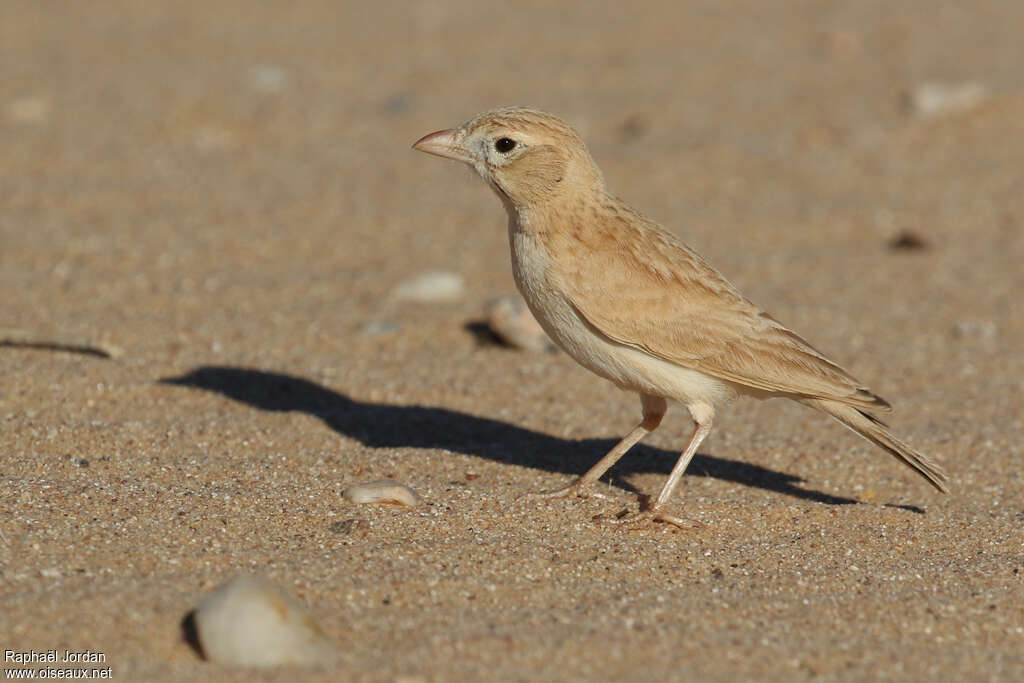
<point x="908" y="240"/>
<point x="250" y="621"/>
<point x="212" y="138"/>
<point x="398" y="104"/>
<point x="348" y="526"/>
<point x="633" y="128"/>
<point x="512" y="322"/>
<point x="385" y="491"/>
<point x="378" y="327"/>
<point x="28" y="110"/>
<point x="935" y="98"/>
<point x="433" y="285"/>
<point x="267" y="78"/>
<point x="983" y="329"/>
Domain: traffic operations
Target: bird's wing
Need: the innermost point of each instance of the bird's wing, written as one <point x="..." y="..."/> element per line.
<point x="640" y="286"/>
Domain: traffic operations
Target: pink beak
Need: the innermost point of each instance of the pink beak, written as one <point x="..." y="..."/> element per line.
<point x="443" y="143"/>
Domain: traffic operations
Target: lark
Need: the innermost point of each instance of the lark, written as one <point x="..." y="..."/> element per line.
<point x="631" y="303"/>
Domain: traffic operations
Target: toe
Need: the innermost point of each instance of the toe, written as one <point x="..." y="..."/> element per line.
<point x="565" y="492"/>
<point x="573" y="490"/>
<point x="638" y="519"/>
<point x="681" y="522"/>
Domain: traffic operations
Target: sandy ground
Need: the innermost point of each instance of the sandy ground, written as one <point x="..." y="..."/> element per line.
<point x="225" y="191"/>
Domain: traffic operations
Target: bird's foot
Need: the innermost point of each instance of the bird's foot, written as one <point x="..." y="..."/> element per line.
<point x="577" y="489"/>
<point x="636" y="519"/>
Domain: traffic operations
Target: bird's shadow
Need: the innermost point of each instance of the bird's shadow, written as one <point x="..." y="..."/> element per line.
<point x="381" y="425"/>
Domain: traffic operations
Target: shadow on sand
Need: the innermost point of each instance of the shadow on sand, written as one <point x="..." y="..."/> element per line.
<point x="380" y="425"/>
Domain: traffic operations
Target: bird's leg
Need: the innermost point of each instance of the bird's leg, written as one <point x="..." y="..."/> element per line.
<point x="702" y="415"/>
<point x="654" y="408"/>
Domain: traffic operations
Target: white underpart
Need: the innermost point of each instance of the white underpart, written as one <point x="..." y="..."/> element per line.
<point x="629" y="368"/>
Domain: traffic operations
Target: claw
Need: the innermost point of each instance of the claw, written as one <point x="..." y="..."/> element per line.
<point x="637" y="518"/>
<point x="572" y="490"/>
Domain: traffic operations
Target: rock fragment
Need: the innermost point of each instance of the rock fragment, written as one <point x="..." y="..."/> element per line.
<point x="936" y="98"/>
<point x="908" y="240"/>
<point x="981" y="329"/>
<point x="430" y="286"/>
<point x="267" y="78"/>
<point x="383" y="492"/>
<point x="512" y="322"/>
<point x="374" y="328"/>
<point x="250" y="621"/>
<point x="28" y="110"/>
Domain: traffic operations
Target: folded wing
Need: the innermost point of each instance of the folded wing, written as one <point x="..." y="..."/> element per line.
<point x="686" y="313"/>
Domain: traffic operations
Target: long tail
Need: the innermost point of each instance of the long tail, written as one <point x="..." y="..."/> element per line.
<point x="875" y="431"/>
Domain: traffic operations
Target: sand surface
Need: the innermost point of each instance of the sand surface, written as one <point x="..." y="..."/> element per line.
<point x="224" y="191"/>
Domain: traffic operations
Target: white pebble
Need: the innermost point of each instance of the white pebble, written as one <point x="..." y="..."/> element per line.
<point x="434" y="285"/>
<point x="931" y="99"/>
<point x="984" y="329"/>
<point x="213" y="138"/>
<point x="376" y="327"/>
<point x="267" y="78"/>
<point x="512" y="322"/>
<point x="28" y="110"/>
<point x="250" y="621"/>
<point x="384" y="491"/>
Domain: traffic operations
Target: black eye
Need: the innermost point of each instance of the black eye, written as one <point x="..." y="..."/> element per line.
<point x="504" y="145"/>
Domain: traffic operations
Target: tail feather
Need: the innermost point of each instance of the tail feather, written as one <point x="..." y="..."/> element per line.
<point x="875" y="431"/>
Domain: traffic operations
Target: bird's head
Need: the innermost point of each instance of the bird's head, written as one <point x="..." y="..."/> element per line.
<point x="528" y="157"/>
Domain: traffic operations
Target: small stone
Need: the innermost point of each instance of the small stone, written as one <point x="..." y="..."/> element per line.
<point x="512" y="322"/>
<point x="385" y="491"/>
<point x="908" y="240"/>
<point x="213" y="138"/>
<point x="933" y="99"/>
<point x="28" y="110"/>
<point x="348" y="526"/>
<point x="434" y="285"/>
<point x="982" y="329"/>
<point x="267" y="78"/>
<point x="633" y="128"/>
<point x="249" y="621"/>
<point x="378" y="327"/>
<point x="398" y="104"/>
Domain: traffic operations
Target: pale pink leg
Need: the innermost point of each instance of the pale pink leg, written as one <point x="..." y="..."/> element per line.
<point x="703" y="418"/>
<point x="654" y="408"/>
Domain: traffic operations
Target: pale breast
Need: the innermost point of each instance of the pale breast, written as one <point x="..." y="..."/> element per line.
<point x="627" y="367"/>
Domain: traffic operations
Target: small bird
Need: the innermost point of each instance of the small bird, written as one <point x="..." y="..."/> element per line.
<point x="630" y="302"/>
